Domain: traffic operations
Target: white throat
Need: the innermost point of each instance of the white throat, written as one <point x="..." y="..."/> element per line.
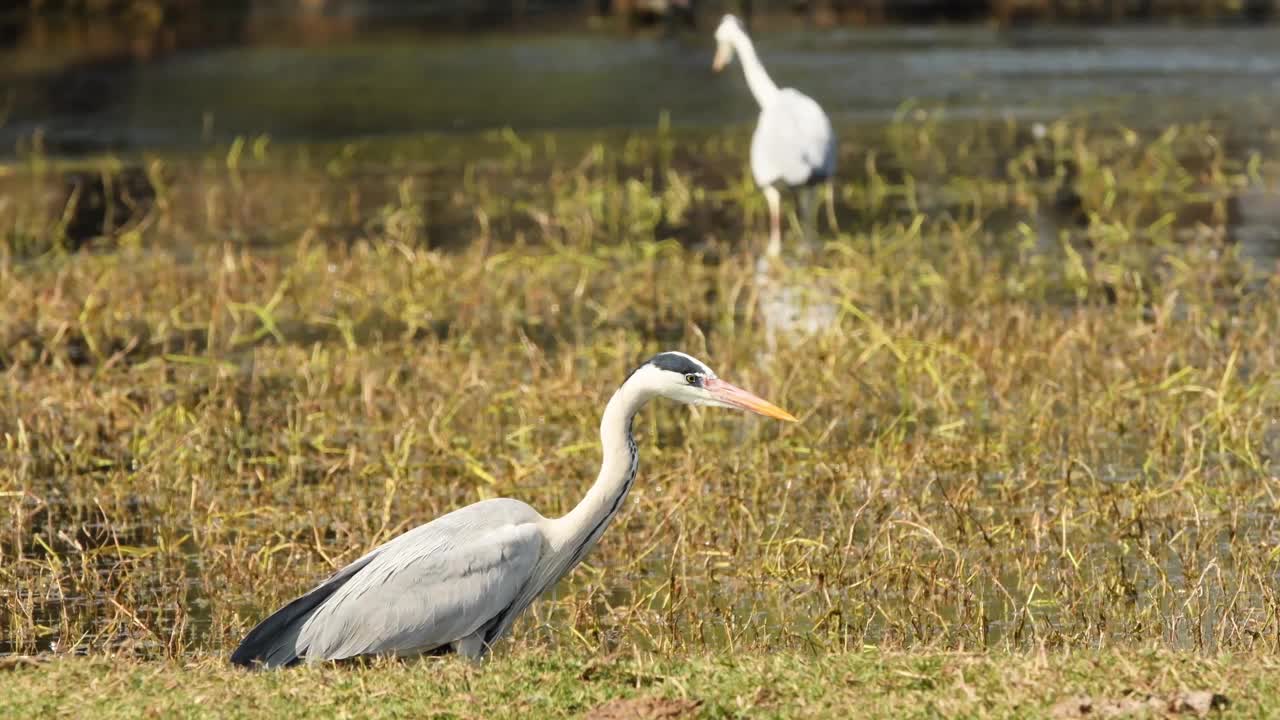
<point x="758" y="79"/>
<point x="586" y="522"/>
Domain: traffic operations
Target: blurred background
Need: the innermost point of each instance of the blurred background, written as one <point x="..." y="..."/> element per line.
<point x="92" y="75"/>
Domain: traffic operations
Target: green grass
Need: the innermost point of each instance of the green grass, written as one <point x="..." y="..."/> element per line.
<point x="867" y="684"/>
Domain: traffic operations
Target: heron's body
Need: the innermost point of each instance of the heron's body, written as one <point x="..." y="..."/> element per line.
<point x="450" y="582"/>
<point x="459" y="582"/>
<point x="793" y="145"/>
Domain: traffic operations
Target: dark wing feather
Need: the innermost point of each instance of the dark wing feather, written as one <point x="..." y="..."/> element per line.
<point x="271" y="643"/>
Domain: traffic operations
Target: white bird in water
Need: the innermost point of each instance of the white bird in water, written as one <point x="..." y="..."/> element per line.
<point x="793" y="145"/>
<point x="458" y="583"/>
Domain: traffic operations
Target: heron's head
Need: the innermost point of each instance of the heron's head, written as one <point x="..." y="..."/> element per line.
<point x="730" y="28"/>
<point x="686" y="379"/>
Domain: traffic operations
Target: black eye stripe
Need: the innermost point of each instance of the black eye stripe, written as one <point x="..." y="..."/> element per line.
<point x="676" y="362"/>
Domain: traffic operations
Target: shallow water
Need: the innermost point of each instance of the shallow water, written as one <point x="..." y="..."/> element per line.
<point x="1143" y="77"/>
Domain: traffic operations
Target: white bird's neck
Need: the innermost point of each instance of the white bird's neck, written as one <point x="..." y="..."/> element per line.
<point x="758" y="80"/>
<point x="578" y="530"/>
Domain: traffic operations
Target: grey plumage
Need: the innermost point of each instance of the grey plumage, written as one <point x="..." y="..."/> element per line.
<point x="459" y="582"/>
<point x="452" y="579"/>
<point x="273" y="641"/>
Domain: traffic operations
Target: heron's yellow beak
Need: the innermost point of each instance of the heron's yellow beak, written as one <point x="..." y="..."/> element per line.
<point x="724" y="53"/>
<point x="730" y="394"/>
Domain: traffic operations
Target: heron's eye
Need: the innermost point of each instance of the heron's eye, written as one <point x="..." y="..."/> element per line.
<point x="691" y="379"/>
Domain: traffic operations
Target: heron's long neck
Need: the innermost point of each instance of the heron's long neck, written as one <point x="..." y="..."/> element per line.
<point x="757" y="79"/>
<point x="583" y="525"/>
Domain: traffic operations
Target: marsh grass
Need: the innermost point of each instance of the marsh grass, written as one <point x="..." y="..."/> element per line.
<point x="1045" y="415"/>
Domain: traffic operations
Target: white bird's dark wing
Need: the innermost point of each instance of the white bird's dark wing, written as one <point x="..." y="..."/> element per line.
<point x="434" y="585"/>
<point x="793" y="142"/>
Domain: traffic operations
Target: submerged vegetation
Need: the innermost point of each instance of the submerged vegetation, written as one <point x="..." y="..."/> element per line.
<point x="1041" y="411"/>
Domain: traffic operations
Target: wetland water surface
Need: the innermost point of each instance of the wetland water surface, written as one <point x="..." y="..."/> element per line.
<point x="1144" y="77"/>
<point x="1039" y="401"/>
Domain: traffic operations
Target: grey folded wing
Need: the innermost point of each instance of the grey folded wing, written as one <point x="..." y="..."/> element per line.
<point x="436" y="584"/>
<point x="272" y="643"/>
<point x="420" y="596"/>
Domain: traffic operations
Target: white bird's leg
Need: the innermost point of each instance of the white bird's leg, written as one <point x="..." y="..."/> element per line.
<point x="808" y="197"/>
<point x="831" y="206"/>
<point x="774" y="198"/>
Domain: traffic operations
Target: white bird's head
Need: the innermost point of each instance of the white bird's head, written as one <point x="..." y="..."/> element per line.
<point x="686" y="379"/>
<point x="730" y="29"/>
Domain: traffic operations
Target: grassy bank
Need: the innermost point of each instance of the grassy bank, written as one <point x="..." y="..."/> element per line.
<point x="862" y="684"/>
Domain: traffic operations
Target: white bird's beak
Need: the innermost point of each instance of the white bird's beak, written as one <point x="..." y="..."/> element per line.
<point x="735" y="396"/>
<point x="724" y="53"/>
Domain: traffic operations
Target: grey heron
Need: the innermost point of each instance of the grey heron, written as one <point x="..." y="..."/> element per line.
<point x="793" y="144"/>
<point x="458" y="583"/>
